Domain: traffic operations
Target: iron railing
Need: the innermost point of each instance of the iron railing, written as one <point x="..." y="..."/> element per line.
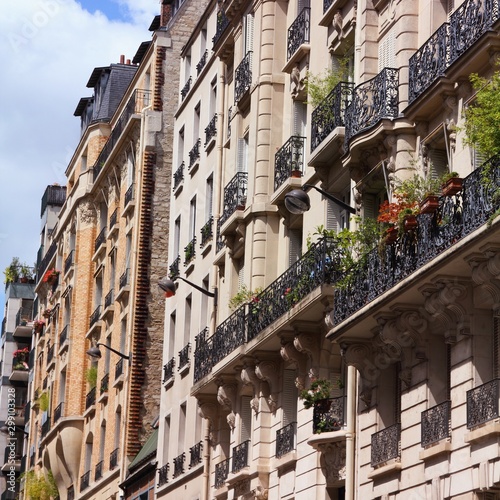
<point x="124" y="281"/>
<point x="202" y="62"/>
<point x="289" y="160"/>
<point x="24" y="315"/>
<point x="285" y="439"/>
<point x="63" y="337"/>
<point x="85" y="481"/>
<point x="174" y="268"/>
<point x="68" y="263"/>
<point x="207" y="232"/>
<point x="98" y="470"/>
<point x="101" y="239"/>
<point x="240" y="456"/>
<point x="45" y="427"/>
<point x="326" y="5"/>
<point x="328" y="415"/>
<point x="482" y="403"/>
<point x="299" y="32"/>
<point x="113" y="459"/>
<point x="195" y="454"/>
<point x="179" y="465"/>
<point x="90" y="398"/>
<point x="71" y="493"/>
<point x="168" y="370"/>
<point x="94" y="317"/>
<point x="45" y="260"/>
<point x="186" y="88"/>
<point x="178" y="176"/>
<point x="386" y="445"/>
<point x="58" y="412"/>
<point x="222" y="24"/>
<point x="113" y="219"/>
<point x="372" y="101"/>
<point x="330" y="113"/>
<point x="54" y="196"/>
<point x="221" y="473"/>
<point x="119" y="368"/>
<point x="184" y="356"/>
<point x="194" y="154"/>
<point x="235" y="196"/>
<point x="163" y="474"/>
<point x="104" y="384"/>
<point x="435" y="424"/>
<point x="109" y="299"/>
<point x="211" y="129"/>
<point x="190" y="251"/>
<point x="243" y="77"/>
<point x="129" y="195"/>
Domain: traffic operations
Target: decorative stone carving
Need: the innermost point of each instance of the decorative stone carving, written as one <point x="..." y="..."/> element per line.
<point x="486" y="276"/>
<point x="226" y="396"/>
<point x="242" y="488"/>
<point x="338" y="22"/>
<point x="307" y="343"/>
<point x="289" y="353"/>
<point x="249" y="377"/>
<point x="333" y="461"/>
<point x="86" y="213"/>
<point x="361" y="357"/>
<point x="268" y="371"/>
<point x="260" y="493"/>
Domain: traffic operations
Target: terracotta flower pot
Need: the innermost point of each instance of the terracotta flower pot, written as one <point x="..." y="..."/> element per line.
<point x="429" y="205"/>
<point x="391" y="235"/>
<point x="410" y="223"/>
<point x="452" y="186"/>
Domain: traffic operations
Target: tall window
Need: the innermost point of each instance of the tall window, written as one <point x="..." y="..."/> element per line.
<point x="289" y="402"/>
<point x="180" y="146"/>
<point x="387" y="51"/>
<point x="187" y="319"/>
<point x="177" y="236"/>
<point x="192" y="218"/>
<point x="182" y="428"/>
<point x="248" y="28"/>
<point x="246" y="419"/>
<point x="130" y="168"/>
<point x="242" y="165"/>
<point x="209" y="194"/>
<point x="196" y="123"/>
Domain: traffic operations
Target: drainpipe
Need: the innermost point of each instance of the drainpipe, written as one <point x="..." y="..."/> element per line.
<point x="350" y="444"/>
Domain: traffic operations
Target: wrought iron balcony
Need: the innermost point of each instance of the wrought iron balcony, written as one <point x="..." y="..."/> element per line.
<point x="94" y="317"/>
<point x="184" y="356"/>
<point x="456" y="217"/>
<point x="235" y="196"/>
<point x="285" y="439"/>
<point x="104" y="384"/>
<point x="207" y="232"/>
<point x="45" y="260"/>
<point x="129" y="195"/>
<point x="58" y="412"/>
<point x="45" y="427"/>
<point x="24" y="315"/>
<point x="482" y="404"/>
<point x="451" y="40"/>
<point x="330" y="114"/>
<point x="50" y="354"/>
<point x="190" y="251"/>
<point x="299" y="32"/>
<point x="435" y="423"/>
<point x="211" y="129"/>
<point x="240" y="456"/>
<point x="124" y="279"/>
<point x="243" y="77"/>
<point x="194" y="154"/>
<point x="68" y="263"/>
<point x="202" y="62"/>
<point x="289" y="160"/>
<point x="179" y="465"/>
<point x="222" y="24"/>
<point x="372" y="101"/>
<point x="113" y="459"/>
<point x="85" y="481"/>
<point x="178" y="176"/>
<point x="326" y="5"/>
<point x="186" y="88"/>
<point x="174" y="268"/>
<point x="168" y="370"/>
<point x="109" y="299"/>
<point x="63" y="337"/>
<point x="221" y="473"/>
<point x="195" y="454"/>
<point x="98" y="470"/>
<point x="118" y="368"/>
<point x="163" y="474"/>
<point x="328" y="415"/>
<point x="90" y="398"/>
<point x="113" y="219"/>
<point x="101" y="239"/>
<point x="386" y="445"/>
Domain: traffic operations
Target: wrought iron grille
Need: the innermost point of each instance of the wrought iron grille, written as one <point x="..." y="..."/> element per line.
<point x="94" y="317"/>
<point x="372" y="101"/>
<point x="202" y="356"/>
<point x="195" y="454"/>
<point x="385" y="445"/>
<point x="63" y="337"/>
<point x="221" y="473"/>
<point x="71" y="493"/>
<point x="330" y="114"/>
<point x="190" y="251"/>
<point x="194" y="154"/>
<point x="90" y="398"/>
<point x="326" y="5"/>
<point x="163" y="474"/>
<point x="456" y="217"/>
<point x="58" y="412"/>
<point x="168" y="370"/>
<point x="240" y="456"/>
<point x="285" y="439"/>
<point x="328" y="415"/>
<point x="299" y="32"/>
<point x="69" y="261"/>
<point x="178" y="176"/>
<point x="109" y="299"/>
<point x="202" y="62"/>
<point x="211" y="129"/>
<point x="118" y="368"/>
<point x="235" y="196"/>
<point x="45" y="260"/>
<point x="229" y="114"/>
<point x="113" y="459"/>
<point x="186" y="88"/>
<point x="45" y="427"/>
<point x="435" y="423"/>
<point x="50" y="354"/>
<point x="207" y="232"/>
<point x="85" y="481"/>
<point x="100" y="240"/>
<point x="24" y="315"/>
<point x="289" y="160"/>
<point x="113" y="219"/>
<point x="129" y="195"/>
<point x="482" y="404"/>
<point x="104" y="384"/>
<point x="174" y="268"/>
<point x="243" y="77"/>
<point x="222" y="24"/>
<point x="98" y="470"/>
<point x="124" y="279"/>
<point x="179" y="465"/>
<point x="229" y="335"/>
<point x="184" y="356"/>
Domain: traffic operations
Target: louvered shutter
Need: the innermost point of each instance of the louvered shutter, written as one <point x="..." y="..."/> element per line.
<point x="295" y="249"/>
<point x="246" y="419"/>
<point x="370" y="208"/>
<point x="496" y="342"/>
<point x="478" y="158"/>
<point x="289" y="403"/>
<point x="249" y="32"/>
<point x="336" y="391"/>
<point x="387" y="51"/>
<point x="242" y="155"/>
<point x="332" y="216"/>
<point x="439" y="163"/>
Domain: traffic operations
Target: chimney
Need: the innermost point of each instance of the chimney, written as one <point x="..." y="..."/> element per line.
<point x="122" y="59"/>
<point x="128" y="62"/>
<point x="166" y="12"/>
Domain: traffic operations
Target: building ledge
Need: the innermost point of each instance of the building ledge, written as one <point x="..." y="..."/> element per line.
<point x="436" y="449"/>
<point x="318" y="441"/>
<point x="488" y="430"/>
<point x="392" y="468"/>
<point x="287" y="460"/>
<point x="298" y="55"/>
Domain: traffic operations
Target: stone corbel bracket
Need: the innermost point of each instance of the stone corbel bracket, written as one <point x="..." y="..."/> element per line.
<point x="269" y="371"/>
<point x="226" y="396"/>
<point x="290" y="354"/>
<point x="249" y="377"/>
<point x="208" y="409"/>
<point x="309" y="344"/>
<point x="485" y="267"/>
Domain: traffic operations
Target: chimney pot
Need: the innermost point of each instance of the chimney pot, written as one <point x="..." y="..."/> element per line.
<point x="122" y="59"/>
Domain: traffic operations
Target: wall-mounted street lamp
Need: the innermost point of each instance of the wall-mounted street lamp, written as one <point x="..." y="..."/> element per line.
<point x="297" y="201"/>
<point x="5" y="429"/>
<point x="95" y="352"/>
<point x="169" y="287"/>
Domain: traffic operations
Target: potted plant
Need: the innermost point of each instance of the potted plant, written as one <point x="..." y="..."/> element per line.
<point x="38" y="325"/>
<point x="91" y="376"/>
<point x="398" y="216"/>
<point x="451" y="184"/>
<point x="47" y="313"/>
<point x="11" y="272"/>
<point x="318" y="392"/>
<point x="51" y="276"/>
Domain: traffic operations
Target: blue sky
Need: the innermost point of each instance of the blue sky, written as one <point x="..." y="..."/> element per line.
<point x="110" y="8"/>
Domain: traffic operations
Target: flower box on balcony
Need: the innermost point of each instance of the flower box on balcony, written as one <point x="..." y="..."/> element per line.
<point x="410" y="223"/>
<point x="429" y="204"/>
<point x="391" y="235"/>
<point x="452" y="186"/>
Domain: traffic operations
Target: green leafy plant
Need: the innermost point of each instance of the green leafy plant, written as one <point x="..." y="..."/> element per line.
<point x="39" y="486"/>
<point x="11" y="272"/>
<point x="91" y="376"/>
<point x="43" y="401"/>
<point x="243" y="296"/>
<point x="321" y="84"/>
<point x="318" y="391"/>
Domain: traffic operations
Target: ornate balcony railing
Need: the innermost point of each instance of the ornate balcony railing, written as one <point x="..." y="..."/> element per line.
<point x="104" y="384"/>
<point x="98" y="470"/>
<point x="326" y="5"/>
<point x="240" y="456"/>
<point x="45" y="260"/>
<point x="137" y="102"/>
<point x="174" y="268"/>
<point x="168" y="370"/>
<point x="124" y="280"/>
<point x="243" y="77"/>
<point x="202" y="62"/>
<point x="194" y="154"/>
<point x="186" y="88"/>
<point x="90" y="398"/>
<point x="195" y="454"/>
<point x="372" y="101"/>
<point x="386" y="445"/>
<point x="113" y="219"/>
<point x="285" y="439"/>
<point x="449" y="42"/>
<point x="113" y="459"/>
<point x="119" y="368"/>
<point x="129" y="195"/>
<point x="94" y="317"/>
<point x="63" y="337"/>
<point x="85" y="481"/>
<point x="289" y="160"/>
<point x="101" y="239"/>
<point x="435" y="423"/>
<point x="46" y="427"/>
<point x="58" y="412"/>
<point x="50" y="354"/>
<point x="211" y="129"/>
<point x="221" y="473"/>
<point x="328" y="415"/>
<point x="69" y="261"/>
<point x="109" y="299"/>
<point x="179" y="465"/>
<point x="190" y="251"/>
<point x="184" y="356"/>
<point x="207" y="232"/>
<point x="299" y="32"/>
<point x="330" y="114"/>
<point x="222" y="24"/>
<point x="457" y="216"/>
<point x="482" y="404"/>
<point x="178" y="176"/>
<point x="235" y="196"/>
<point x="163" y="474"/>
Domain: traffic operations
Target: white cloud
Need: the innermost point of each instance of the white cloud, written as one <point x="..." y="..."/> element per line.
<point x="48" y="50"/>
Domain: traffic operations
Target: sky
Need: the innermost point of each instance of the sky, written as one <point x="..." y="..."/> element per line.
<point x="48" y="49"/>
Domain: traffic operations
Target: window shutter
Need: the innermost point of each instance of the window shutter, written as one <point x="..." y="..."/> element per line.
<point x="242" y="155"/>
<point x="370" y="210"/>
<point x="302" y="4"/>
<point x="299" y="118"/>
<point x="496" y="357"/>
<point x="439" y="163"/>
<point x="249" y="22"/>
<point x="336" y="391"/>
<point x="387" y="51"/>
<point x="477" y="158"/>
<point x="246" y="419"/>
<point x="332" y="216"/>
<point x="241" y="274"/>
<point x="295" y="249"/>
<point x="289" y="403"/>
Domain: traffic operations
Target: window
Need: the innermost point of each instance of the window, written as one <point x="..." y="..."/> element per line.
<point x="387" y="51"/>
<point x="187" y="320"/>
<point x="246" y="419"/>
<point x="166" y="438"/>
<point x="107" y="355"/>
<point x="209" y="194"/>
<point x="299" y="118"/>
<point x="192" y="218"/>
<point x="290" y="395"/>
<point x="295" y="245"/>
<point x="171" y="337"/>
<point x="337" y="218"/>
<point x="242" y="164"/>
<point x="177" y="236"/>
<point x="130" y="168"/>
<point x="182" y="428"/>
<point x="213" y="97"/>
<point x="196" y="124"/>
<point x="180" y="146"/>
<point x="248" y="29"/>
